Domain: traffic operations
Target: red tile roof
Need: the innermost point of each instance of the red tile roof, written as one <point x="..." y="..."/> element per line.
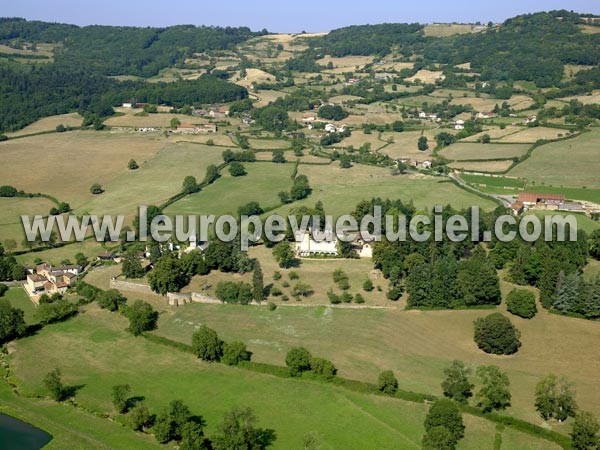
<point x="529" y="197"/>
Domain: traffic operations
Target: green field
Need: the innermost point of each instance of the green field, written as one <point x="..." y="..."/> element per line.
<point x="11" y="210"/>
<point x="417" y="345"/>
<point x="18" y="298"/>
<point x="261" y="184"/>
<point x="341" y="190"/>
<point x="100" y="354"/>
<point x="573" y="163"/>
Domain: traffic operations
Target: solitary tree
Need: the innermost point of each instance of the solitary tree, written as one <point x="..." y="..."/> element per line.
<point x="284" y="254"/>
<point x="422" y="143"/>
<point x="54" y="385"/>
<point x="258" y="286"/>
<point x="494" y="393"/>
<point x="132" y="165"/>
<point x="585" y="432"/>
<point x="189" y="185"/>
<point x="445" y="413"/>
<point x="555" y="398"/>
<point x="206" y="344"/>
<point x="96" y="189"/>
<point x="142" y="317"/>
<point x="497" y="335"/>
<point x="457" y="385"/>
<point x="278" y="156"/>
<point x="387" y="382"/>
<point x="237" y="169"/>
<point x="235" y="352"/>
<point x="120" y="395"/>
<point x="238" y="431"/>
<point x="298" y="360"/>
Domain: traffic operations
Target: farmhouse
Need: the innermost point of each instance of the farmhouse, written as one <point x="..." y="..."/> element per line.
<point x="486" y="115"/>
<point x="45" y="279"/>
<point x="186" y="128"/>
<point x="530" y="119"/>
<point x="541" y="201"/>
<point x="306" y="246"/>
<point x="106" y="256"/>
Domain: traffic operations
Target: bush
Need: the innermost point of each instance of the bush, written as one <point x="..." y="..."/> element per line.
<point x="368" y="285"/>
<point x="142" y="317"/>
<point x="235" y="352"/>
<point x="3" y="289"/>
<point x="96" y="189"/>
<point x="497" y="335"/>
<point x="302" y="290"/>
<point x="132" y="165"/>
<point x="8" y="191"/>
<point x="358" y="298"/>
<point x="387" y="383"/>
<point x="521" y="303"/>
<point x="323" y="367"/>
<point x="298" y="360"/>
<point x="53" y="383"/>
<point x="237" y="169"/>
<point x="394" y="294"/>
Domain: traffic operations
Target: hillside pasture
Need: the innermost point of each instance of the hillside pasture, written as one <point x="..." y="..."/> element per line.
<point x="340" y="190"/>
<point x="346" y="62"/>
<point x="49" y="124"/>
<point x="426" y="76"/>
<point x="473" y="151"/>
<point x="416" y="345"/>
<point x="449" y="29"/>
<point x="495" y="133"/>
<point x="101" y="354"/>
<point x="262" y="183"/>
<point x="11" y="210"/>
<point x="532" y="135"/>
<point x="587" y="99"/>
<point x="572" y="162"/>
<point x="155" y="181"/>
<point x="405" y="144"/>
<point x="482" y="166"/>
<point x="65" y="165"/>
<point x="129" y="118"/>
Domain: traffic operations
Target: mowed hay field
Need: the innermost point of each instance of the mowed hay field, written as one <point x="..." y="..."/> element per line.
<point x="130" y="119"/>
<point x="494" y="133"/>
<point x="101" y="354"/>
<point x="482" y="166"/>
<point x="156" y="180"/>
<point x="533" y="135"/>
<point x="65" y="165"/>
<point x="49" y="124"/>
<point x="262" y="184"/>
<point x="573" y="162"/>
<point x="404" y="144"/>
<point x="416" y="345"/>
<point x="449" y="29"/>
<point x="341" y="190"/>
<point x="464" y="150"/>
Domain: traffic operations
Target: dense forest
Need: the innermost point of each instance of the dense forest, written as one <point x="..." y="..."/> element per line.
<point x="123" y="50"/>
<point x="532" y="47"/>
<point x="29" y="93"/>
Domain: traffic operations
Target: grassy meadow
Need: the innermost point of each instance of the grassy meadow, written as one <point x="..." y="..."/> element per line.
<point x="573" y="162"/>
<point x="101" y="354"/>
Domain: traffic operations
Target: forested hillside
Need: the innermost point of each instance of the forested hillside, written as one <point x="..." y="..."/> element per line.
<point x="124" y="50"/>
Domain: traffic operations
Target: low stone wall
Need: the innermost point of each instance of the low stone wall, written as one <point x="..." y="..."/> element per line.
<point x="129" y="286"/>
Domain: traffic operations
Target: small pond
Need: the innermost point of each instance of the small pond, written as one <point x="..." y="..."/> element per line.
<point x="17" y="435"/>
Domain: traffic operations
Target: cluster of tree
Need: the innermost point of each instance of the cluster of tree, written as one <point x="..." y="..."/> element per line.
<point x="443" y="426"/>
<point x="370" y="39"/>
<point x="10" y="269"/>
<point x="335" y="138"/>
<point x="240" y="156"/>
<point x="234" y="292"/>
<point x="272" y="118"/>
<point x="332" y="112"/>
<point x="207" y="346"/>
<point x="575" y="295"/>
<point x="12" y="319"/>
<point x="521" y="303"/>
<point x="300" y="361"/>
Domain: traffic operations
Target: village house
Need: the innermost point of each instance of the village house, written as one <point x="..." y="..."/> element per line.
<point x="106" y="256"/>
<point x="45" y="279"/>
<point x="530" y="119"/>
<point x="486" y="115"/>
<point x="459" y="125"/>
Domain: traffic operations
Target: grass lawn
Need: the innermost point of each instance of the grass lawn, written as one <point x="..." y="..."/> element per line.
<point x="483" y="166"/>
<point x="583" y="222"/>
<point x="89" y="248"/>
<point x="261" y="184"/>
<point x="473" y="151"/>
<point x="49" y="124"/>
<point x="573" y="162"/>
<point x="100" y="354"/>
